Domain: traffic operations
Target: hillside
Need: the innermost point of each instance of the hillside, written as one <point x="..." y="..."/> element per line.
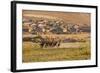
<point x="70" y="17"/>
<point x="55" y="22"/>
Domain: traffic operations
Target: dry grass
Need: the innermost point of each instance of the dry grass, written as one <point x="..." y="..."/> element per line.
<point x="33" y="53"/>
<point x="78" y="36"/>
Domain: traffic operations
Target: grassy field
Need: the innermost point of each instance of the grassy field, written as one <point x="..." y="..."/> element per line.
<point x="72" y="51"/>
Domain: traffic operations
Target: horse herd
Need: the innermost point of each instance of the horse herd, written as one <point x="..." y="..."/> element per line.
<point x="45" y="42"/>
